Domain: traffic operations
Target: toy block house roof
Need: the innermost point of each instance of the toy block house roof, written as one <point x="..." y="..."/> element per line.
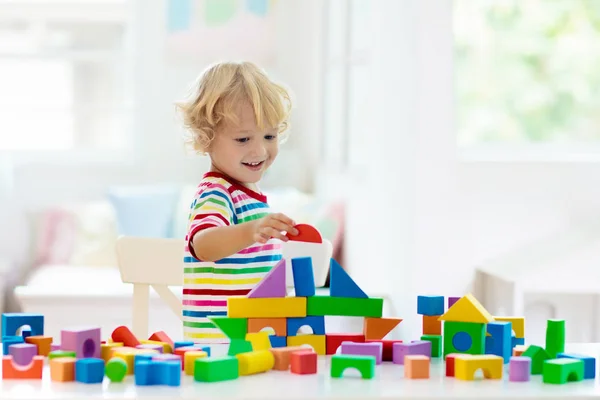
<point x="467" y="309"/>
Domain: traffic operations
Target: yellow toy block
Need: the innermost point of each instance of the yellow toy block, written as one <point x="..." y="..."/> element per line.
<point x="189" y="359"/>
<point x="518" y="325"/>
<point x="316" y="341"/>
<point x="467" y="309"/>
<point x="259" y="340"/>
<point x="128" y="354"/>
<point x="465" y="367"/>
<point x="166" y="346"/>
<point x="244" y="307"/>
<point x="106" y="350"/>
<point x="255" y="362"/>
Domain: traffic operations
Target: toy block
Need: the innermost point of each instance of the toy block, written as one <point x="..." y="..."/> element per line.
<point x="54" y="347"/>
<point x="189" y="360"/>
<point x="306" y="233"/>
<point x="518" y="325"/>
<point x="85" y="342"/>
<point x="255" y="362"/>
<point x="43" y="344"/>
<point x="158" y="347"/>
<point x="62" y="369"/>
<point x="304" y="278"/>
<point x="519" y="369"/>
<point x="174" y="358"/>
<point x="303" y="362"/>
<point x="22" y="353"/>
<point x="430" y="305"/>
<point x="11" y="370"/>
<point x="11" y="322"/>
<point x="155" y="372"/>
<point x="452" y="300"/>
<point x="123" y="334"/>
<point x="335" y="340"/>
<point x="216" y="369"/>
<point x="166" y="347"/>
<point x="278" y="341"/>
<point x="233" y="328"/>
<point x="341" y="284"/>
<point x="431" y="325"/>
<point x="182" y="351"/>
<point x="450" y="362"/>
<point x="364" y="364"/>
<point x="464" y="337"/>
<point x="436" y="344"/>
<point x="344" y="306"/>
<point x="106" y="350"/>
<point x="116" y="369"/>
<point x="128" y="355"/>
<point x="278" y="325"/>
<point x="243" y="307"/>
<point x="316" y="323"/>
<point x="25" y="332"/>
<point x="89" y="370"/>
<point x="364" y="349"/>
<point x="500" y="341"/>
<point x="259" y="340"/>
<point x="555" y="337"/>
<point x="378" y="328"/>
<point x="161" y="336"/>
<point x="282" y="356"/>
<point x="416" y="367"/>
<point x="272" y="285"/>
<point x="517" y="341"/>
<point x="518" y="350"/>
<point x="182" y="343"/>
<point x="239" y="346"/>
<point x="387" y="353"/>
<point x="563" y="370"/>
<point x="317" y="342"/>
<point x="61" y="354"/>
<point x="465" y="367"/>
<point x="7" y="341"/>
<point x="467" y="309"/>
<point x="538" y="356"/>
<point x="401" y="350"/>
<point x="589" y="364"/>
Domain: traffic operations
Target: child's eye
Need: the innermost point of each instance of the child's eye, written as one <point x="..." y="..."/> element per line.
<point x="270" y="137"/>
<point x="242" y="140"/>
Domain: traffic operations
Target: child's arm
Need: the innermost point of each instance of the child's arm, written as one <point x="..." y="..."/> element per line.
<point x="213" y="244"/>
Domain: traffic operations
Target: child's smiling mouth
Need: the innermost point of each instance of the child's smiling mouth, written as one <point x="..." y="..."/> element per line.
<point x="254" y="166"/>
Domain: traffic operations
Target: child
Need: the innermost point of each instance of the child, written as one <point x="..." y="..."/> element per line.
<point x="237" y="116"/>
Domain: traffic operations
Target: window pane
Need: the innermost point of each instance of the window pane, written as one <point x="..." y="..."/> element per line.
<point x="335" y="107"/>
<point x="527" y="71"/>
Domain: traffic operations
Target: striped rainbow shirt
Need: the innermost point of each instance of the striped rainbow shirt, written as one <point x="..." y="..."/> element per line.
<point x="220" y="201"/>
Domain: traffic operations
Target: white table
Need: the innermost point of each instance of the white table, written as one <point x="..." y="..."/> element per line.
<point x="389" y="383"/>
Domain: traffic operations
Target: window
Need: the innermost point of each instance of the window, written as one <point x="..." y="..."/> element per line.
<point x="527" y="72"/>
<point x="64" y="75"/>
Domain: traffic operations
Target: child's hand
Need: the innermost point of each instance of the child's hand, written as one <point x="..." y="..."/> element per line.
<point x="272" y="226"/>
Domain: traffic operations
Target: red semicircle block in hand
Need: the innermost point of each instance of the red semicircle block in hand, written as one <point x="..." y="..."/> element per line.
<point x="306" y="233"/>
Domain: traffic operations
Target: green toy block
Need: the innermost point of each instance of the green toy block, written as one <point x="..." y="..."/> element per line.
<point x="538" y="356"/>
<point x="344" y="306"/>
<point x="436" y="344"/>
<point x="555" y="337"/>
<point x="116" y="369"/>
<point x="233" y="328"/>
<point x="216" y="369"/>
<point x="364" y="364"/>
<point x="61" y="353"/>
<point x="563" y="370"/>
<point x="463" y="337"/>
<point x="239" y="346"/>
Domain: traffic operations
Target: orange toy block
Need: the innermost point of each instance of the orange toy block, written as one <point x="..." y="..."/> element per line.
<point x="43" y="343"/>
<point x="161" y="336"/>
<point x="10" y="370"/>
<point x="416" y="367"/>
<point x="279" y="325"/>
<point x="377" y="328"/>
<point x="282" y="356"/>
<point x="519" y="349"/>
<point x="62" y="369"/>
<point x="431" y="325"/>
<point x="304" y="362"/>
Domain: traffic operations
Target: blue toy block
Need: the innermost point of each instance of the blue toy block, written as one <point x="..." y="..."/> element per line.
<point x="304" y="278"/>
<point x="141" y="357"/>
<point x="156" y="372"/>
<point x="26" y="332"/>
<point x="11" y="322"/>
<point x="89" y="370"/>
<point x="278" y="341"/>
<point x="205" y="349"/>
<point x="589" y="364"/>
<point x="317" y="324"/>
<point x="430" y="305"/>
<point x="8" y="340"/>
<point x="341" y="285"/>
<point x="500" y="341"/>
<point x="517" y="341"/>
<point x="182" y="344"/>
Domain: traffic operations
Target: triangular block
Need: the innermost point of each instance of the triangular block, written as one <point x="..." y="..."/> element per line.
<point x="341" y="284"/>
<point x="467" y="309"/>
<point x="273" y="284"/>
<point x="233" y="328"/>
<point x="377" y="328"/>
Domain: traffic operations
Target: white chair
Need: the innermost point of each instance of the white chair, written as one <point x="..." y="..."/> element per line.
<point x="146" y="262"/>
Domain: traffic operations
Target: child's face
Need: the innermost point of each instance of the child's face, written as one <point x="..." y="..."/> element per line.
<point x="242" y="151"/>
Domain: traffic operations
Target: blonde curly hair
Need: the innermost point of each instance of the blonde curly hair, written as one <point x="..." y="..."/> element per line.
<point x="219" y="92"/>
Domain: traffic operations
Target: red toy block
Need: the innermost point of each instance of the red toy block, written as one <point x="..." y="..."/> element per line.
<point x="304" y="362"/>
<point x="306" y="233"/>
<point x="10" y="370"/>
<point x="387" y="353"/>
<point x="333" y="341"/>
<point x="161" y="336"/>
<point x="124" y="335"/>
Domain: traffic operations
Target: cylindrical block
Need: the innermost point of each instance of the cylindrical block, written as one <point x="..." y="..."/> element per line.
<point x="255" y="362"/>
<point x="555" y="337"/>
<point x="519" y="369"/>
<point x="22" y="353"/>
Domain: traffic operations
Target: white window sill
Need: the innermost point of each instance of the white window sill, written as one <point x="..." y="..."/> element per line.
<point x="535" y="154"/>
<point x="70" y="157"/>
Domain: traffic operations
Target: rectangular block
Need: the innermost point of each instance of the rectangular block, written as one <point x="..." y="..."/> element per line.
<point x="436" y="344"/>
<point x="430" y="305"/>
<point x="304" y="362"/>
<point x="344" y="306"/>
<point x="364" y="349"/>
<point x="316" y="341"/>
<point x="589" y="363"/>
<point x="243" y="307"/>
<point x="43" y="343"/>
<point x="335" y="340"/>
<point x="62" y="369"/>
<point x="420" y="347"/>
<point x="388" y="348"/>
<point x="216" y="369"/>
<point x="431" y="325"/>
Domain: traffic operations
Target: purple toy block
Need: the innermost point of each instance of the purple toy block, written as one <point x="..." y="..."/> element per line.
<point x="22" y="353"/>
<point x="158" y="347"/>
<point x="519" y="369"/>
<point x="167" y="357"/>
<point x="85" y="342"/>
<point x="54" y="346"/>
<point x="452" y="300"/>
<point x="363" y="349"/>
<point x="273" y="284"/>
<point x="416" y="347"/>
